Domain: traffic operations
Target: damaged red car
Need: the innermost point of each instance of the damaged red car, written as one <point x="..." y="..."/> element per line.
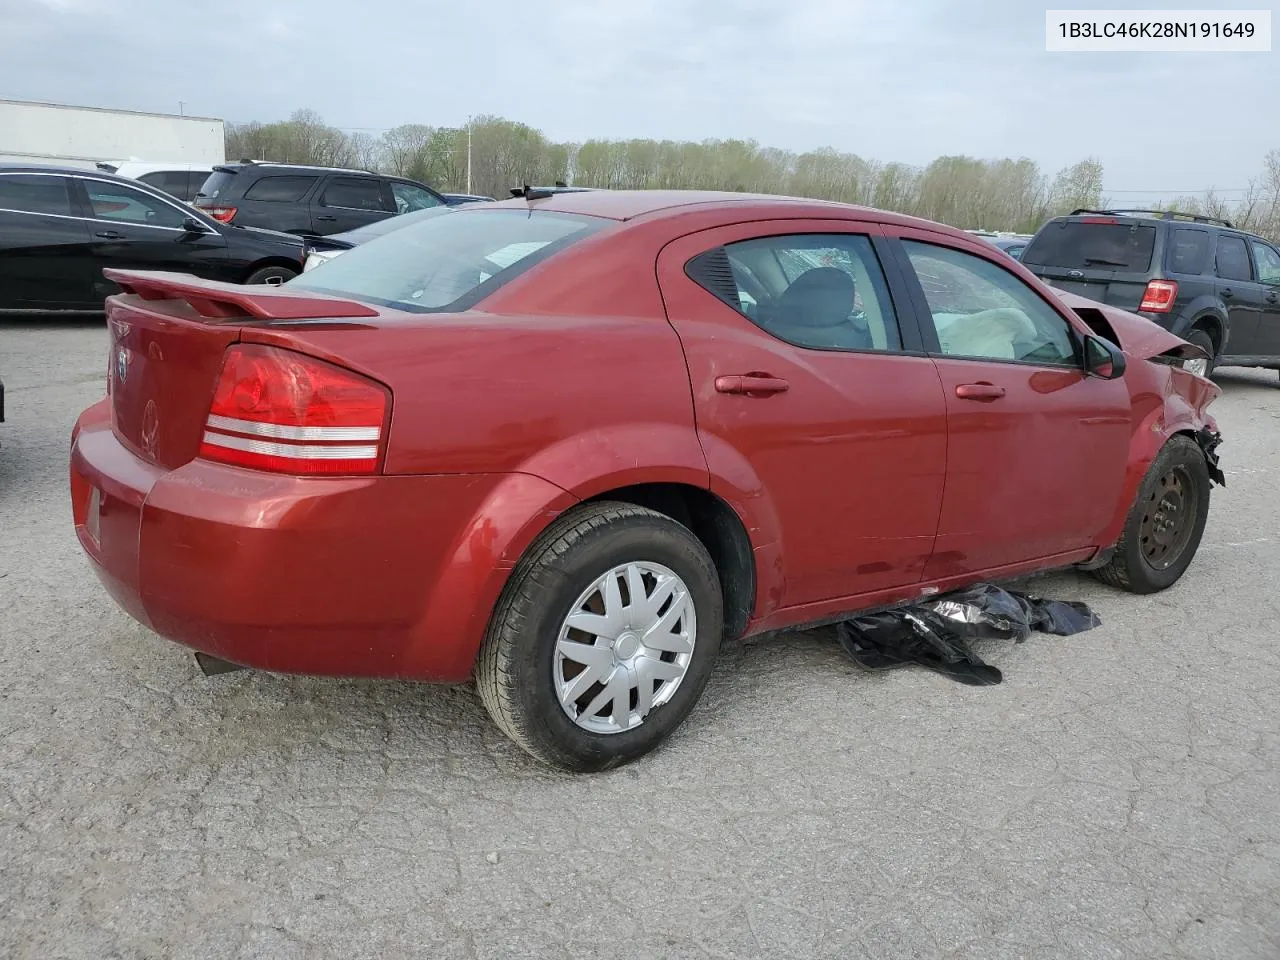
<point x="566" y="444"/>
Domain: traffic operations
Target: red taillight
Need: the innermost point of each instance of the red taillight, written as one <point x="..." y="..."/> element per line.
<point x="1098" y="220"/>
<point x="221" y="214"/>
<point x="1158" y="297"/>
<point x="288" y="413"/>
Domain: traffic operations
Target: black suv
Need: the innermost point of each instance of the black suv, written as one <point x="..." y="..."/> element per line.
<point x="308" y="201"/>
<point x="1198" y="277"/>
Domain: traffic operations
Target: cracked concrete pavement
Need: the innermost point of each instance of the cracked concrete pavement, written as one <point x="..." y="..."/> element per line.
<point x="1118" y="796"/>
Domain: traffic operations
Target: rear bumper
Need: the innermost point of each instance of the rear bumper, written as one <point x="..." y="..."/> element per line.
<point x="375" y="577"/>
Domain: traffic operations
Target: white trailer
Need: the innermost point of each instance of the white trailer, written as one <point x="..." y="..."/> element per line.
<point x="69" y="136"/>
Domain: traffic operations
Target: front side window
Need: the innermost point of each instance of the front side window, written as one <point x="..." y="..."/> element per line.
<point x="447" y="263"/>
<point x="984" y="312"/>
<point x="1267" y="260"/>
<point x="35" y="193"/>
<point x="1233" y="258"/>
<point x="354" y="193"/>
<point x="821" y="291"/>
<point x="410" y="198"/>
<point x="113" y="201"/>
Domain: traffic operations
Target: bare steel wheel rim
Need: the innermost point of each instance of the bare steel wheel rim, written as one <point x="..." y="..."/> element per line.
<point x="624" y="647"/>
<point x="1198" y="366"/>
<point x="1168" y="518"/>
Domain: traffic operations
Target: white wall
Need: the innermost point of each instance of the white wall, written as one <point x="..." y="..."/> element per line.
<point x="81" y="136"/>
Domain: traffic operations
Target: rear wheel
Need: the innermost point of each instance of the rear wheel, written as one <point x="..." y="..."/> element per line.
<point x="1202" y="340"/>
<point x="271" y="275"/>
<point x="1165" y="523"/>
<point x="603" y="639"/>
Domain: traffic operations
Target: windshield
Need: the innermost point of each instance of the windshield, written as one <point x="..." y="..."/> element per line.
<point x="447" y="263"/>
<point x="1078" y="245"/>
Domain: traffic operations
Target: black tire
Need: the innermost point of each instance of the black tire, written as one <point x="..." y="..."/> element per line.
<point x="1205" y="343"/>
<point x="1148" y="559"/>
<point x="271" y="275"/>
<point x="515" y="668"/>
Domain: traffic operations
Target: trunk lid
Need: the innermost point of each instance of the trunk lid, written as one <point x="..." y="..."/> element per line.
<point x="168" y="336"/>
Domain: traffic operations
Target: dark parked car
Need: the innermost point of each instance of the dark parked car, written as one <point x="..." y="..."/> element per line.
<point x="308" y="201"/>
<point x="59" y="227"/>
<point x="804" y="410"/>
<point x="1199" y="277"/>
<point x="320" y="249"/>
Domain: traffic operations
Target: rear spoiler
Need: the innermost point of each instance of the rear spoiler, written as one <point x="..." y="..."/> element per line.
<point x="226" y="301"/>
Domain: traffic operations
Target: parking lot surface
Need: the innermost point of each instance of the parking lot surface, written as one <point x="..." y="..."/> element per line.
<point x="1117" y="796"/>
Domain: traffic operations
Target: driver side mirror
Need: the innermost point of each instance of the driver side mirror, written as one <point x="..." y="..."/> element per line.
<point x="192" y="225"/>
<point x="1103" y="359"/>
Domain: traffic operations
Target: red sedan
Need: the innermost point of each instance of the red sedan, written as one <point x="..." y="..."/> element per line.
<point x="567" y="444"/>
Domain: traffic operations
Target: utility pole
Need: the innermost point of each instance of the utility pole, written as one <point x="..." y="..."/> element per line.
<point x="468" y="154"/>
<point x="182" y="105"/>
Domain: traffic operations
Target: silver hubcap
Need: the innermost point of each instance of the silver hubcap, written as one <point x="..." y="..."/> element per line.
<point x="624" y="647"/>
<point x="1199" y="367"/>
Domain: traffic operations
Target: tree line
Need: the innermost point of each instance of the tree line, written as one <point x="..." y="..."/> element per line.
<point x="967" y="192"/>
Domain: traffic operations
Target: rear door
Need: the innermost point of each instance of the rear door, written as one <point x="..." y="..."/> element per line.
<point x="814" y="403"/>
<point x="344" y="203"/>
<point x="1242" y="294"/>
<point x="1037" y="451"/>
<point x="1105" y="258"/>
<point x="1266" y="261"/>
<point x="44" y="245"/>
<point x="132" y="229"/>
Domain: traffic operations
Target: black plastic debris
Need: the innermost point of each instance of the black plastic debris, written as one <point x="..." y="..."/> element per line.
<point x="936" y="634"/>
<point x="1209" y="442"/>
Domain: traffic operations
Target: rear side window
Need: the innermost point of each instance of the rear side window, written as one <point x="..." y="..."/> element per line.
<point x="172" y="182"/>
<point x="1233" y="258"/>
<point x="354" y="193"/>
<point x="1080" y="245"/>
<point x="821" y="291"/>
<point x="280" y="189"/>
<point x="1189" y="251"/>
<point x="447" y="263"/>
<point x="35" y="194"/>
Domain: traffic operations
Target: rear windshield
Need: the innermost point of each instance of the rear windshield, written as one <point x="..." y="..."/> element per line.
<point x="1093" y="246"/>
<point x="447" y="263"/>
<point x="215" y="184"/>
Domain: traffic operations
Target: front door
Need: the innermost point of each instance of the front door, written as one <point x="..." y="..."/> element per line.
<point x="822" y="421"/>
<point x="345" y="203"/>
<point x="1037" y="450"/>
<point x="1241" y="294"/>
<point x="131" y="229"/>
<point x="1266" y="259"/>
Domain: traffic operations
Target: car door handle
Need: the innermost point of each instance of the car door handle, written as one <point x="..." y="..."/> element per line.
<point x="1272" y="297"/>
<point x="109" y="235"/>
<point x="1228" y="293"/>
<point x="327" y="219"/>
<point x="982" y="392"/>
<point x="751" y="385"/>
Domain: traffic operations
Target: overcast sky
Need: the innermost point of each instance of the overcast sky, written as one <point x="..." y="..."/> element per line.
<point x="904" y="80"/>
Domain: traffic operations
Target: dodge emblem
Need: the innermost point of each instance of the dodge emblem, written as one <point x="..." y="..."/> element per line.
<point x="122" y="363"/>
